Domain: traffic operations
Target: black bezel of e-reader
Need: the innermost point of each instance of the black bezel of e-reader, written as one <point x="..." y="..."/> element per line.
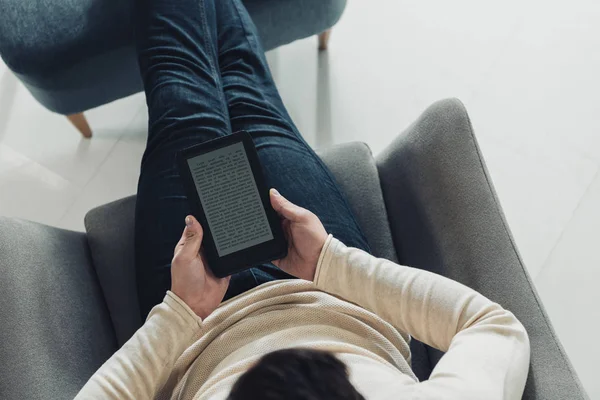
<point x="265" y="252"/>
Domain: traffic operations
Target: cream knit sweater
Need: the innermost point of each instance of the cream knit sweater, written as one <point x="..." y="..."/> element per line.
<point x="361" y="308"/>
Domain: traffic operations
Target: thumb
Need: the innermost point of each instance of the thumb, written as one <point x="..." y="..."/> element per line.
<point x="191" y="239"/>
<point x="286" y="208"/>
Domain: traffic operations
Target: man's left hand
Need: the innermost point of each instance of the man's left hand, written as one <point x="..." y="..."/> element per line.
<point x="191" y="279"/>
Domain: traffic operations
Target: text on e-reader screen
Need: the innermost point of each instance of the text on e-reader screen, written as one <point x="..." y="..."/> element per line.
<point x="230" y="199"/>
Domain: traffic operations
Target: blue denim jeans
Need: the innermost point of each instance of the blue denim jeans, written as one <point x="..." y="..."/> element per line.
<point x="205" y="76"/>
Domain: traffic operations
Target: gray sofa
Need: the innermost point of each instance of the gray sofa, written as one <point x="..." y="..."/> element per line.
<point x="73" y="55"/>
<point x="69" y="300"/>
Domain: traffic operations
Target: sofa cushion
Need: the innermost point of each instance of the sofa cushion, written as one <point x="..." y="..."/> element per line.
<point x="110" y="231"/>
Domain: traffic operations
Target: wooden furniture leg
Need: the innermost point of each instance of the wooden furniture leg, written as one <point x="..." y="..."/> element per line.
<point x="324" y="39"/>
<point x="79" y="121"/>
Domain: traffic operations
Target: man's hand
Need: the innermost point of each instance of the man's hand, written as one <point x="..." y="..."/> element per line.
<point x="305" y="235"/>
<point x="191" y="279"/>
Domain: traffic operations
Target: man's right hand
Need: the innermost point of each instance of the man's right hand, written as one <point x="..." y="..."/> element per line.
<point x="305" y="235"/>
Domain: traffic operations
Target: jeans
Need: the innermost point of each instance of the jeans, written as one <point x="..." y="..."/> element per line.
<point x="205" y="76"/>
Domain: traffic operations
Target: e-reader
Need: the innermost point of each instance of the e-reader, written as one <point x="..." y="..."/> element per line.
<point x="224" y="183"/>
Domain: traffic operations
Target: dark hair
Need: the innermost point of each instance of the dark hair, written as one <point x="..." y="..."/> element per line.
<point x="296" y="374"/>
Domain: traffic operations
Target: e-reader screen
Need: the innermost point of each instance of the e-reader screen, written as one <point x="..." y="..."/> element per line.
<point x="230" y="199"/>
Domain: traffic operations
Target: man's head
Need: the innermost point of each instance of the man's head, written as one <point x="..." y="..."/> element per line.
<point x="296" y="374"/>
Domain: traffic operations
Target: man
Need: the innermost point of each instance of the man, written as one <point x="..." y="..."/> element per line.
<point x="341" y="330"/>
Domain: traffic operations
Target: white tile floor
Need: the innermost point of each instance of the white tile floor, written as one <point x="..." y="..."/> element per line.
<point x="527" y="72"/>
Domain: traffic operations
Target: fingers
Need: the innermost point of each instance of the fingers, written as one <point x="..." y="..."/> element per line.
<point x="286" y="208"/>
<point x="191" y="239"/>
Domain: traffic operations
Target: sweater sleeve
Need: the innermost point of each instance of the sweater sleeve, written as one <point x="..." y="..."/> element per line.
<point x="142" y="366"/>
<point x="487" y="348"/>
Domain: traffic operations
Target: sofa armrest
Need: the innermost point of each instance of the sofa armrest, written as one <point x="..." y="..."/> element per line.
<point x="54" y="331"/>
<point x="445" y="217"/>
<point x="111" y="238"/>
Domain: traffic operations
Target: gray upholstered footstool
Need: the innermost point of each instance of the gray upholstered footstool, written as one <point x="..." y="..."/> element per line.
<point x="73" y="55"/>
